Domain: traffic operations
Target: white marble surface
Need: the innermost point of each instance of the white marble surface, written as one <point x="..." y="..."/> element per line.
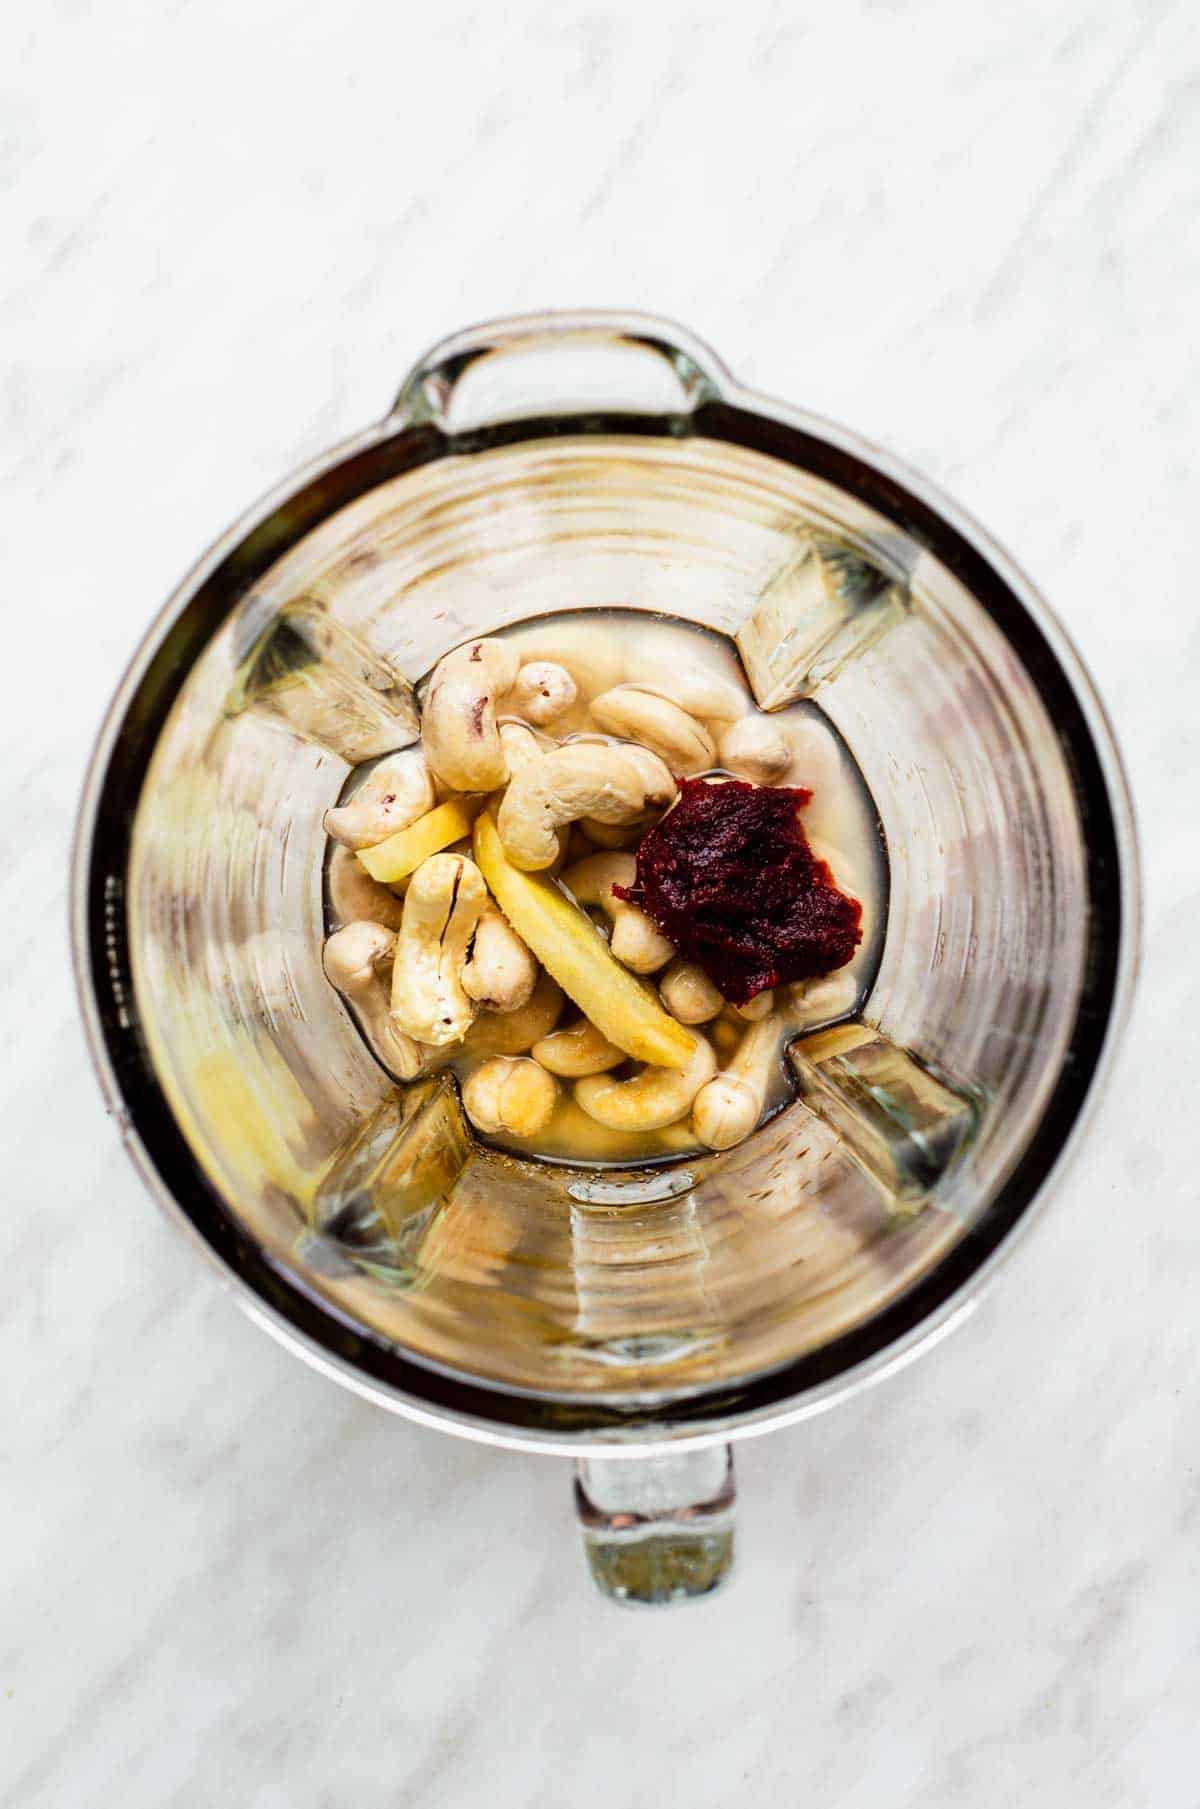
<point x="967" y="231"/>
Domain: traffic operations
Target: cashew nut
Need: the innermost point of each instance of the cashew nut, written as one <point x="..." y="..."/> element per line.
<point x="661" y="793"/>
<point x="501" y="972"/>
<point x="660" y="786"/>
<point x="815" y="758"/>
<point x="760" y="1006"/>
<point x="699" y="693"/>
<point x="756" y="749"/>
<point x="462" y="742"/>
<point x="521" y="747"/>
<point x="609" y="835"/>
<point x="398" y="792"/>
<point x="543" y="690"/>
<point x="726" y="1032"/>
<point x="355" y="895"/>
<point x="516" y="1032"/>
<point x="352" y="959"/>
<point x="684" y="743"/>
<point x="688" y="993"/>
<point x="579" y="1049"/>
<point x="729" y="1107"/>
<point x="820" y="1001"/>
<point x="510" y="1094"/>
<point x="522" y="750"/>
<point x="652" y="1099"/>
<point x="635" y="941"/>
<point x="580" y="844"/>
<point x="442" y="906"/>
<point x="582" y="779"/>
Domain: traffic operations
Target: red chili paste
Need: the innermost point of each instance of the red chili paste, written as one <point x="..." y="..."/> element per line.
<point x="729" y="878"/>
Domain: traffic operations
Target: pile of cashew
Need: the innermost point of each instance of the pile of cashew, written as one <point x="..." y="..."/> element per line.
<point x="570" y="781"/>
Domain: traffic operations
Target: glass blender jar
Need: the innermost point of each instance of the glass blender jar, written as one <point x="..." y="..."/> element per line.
<point x="637" y="1320"/>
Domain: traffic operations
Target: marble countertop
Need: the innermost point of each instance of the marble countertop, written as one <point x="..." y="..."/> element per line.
<point x="963" y="231"/>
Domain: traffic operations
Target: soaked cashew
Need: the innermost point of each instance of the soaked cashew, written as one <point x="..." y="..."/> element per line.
<point x="755" y="749"/>
<point x="398" y="792"/>
<point x="619" y="836"/>
<point x="543" y="690"/>
<point x="659" y="724"/>
<point x="815" y="1002"/>
<point x="729" y="1107"/>
<point x="352" y="959"/>
<point x="522" y="750"/>
<point x="442" y="906"/>
<point x="815" y="758"/>
<point x="760" y="1006"/>
<point x="582" y="779"/>
<point x="635" y="941"/>
<point x="652" y="1099"/>
<point x="510" y="1094"/>
<point x="608" y="835"/>
<point x="579" y="843"/>
<point x="501" y="972"/>
<point x="354" y="895"/>
<point x="577" y="1050"/>
<point x="688" y="993"/>
<point x="521" y="747"/>
<point x="661" y="792"/>
<point x="701" y="693"/>
<point x="660" y="786"/>
<point x="516" y="1032"/>
<point x="726" y="1032"/>
<point x="462" y="741"/>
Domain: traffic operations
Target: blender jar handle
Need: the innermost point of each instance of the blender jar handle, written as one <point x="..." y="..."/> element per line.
<point x="657" y="1530"/>
<point x="558" y="362"/>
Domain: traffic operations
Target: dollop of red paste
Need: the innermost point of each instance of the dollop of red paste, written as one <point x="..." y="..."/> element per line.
<point x="729" y="878"/>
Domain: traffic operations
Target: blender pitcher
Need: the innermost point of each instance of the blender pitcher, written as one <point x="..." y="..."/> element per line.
<point x="636" y="1319"/>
